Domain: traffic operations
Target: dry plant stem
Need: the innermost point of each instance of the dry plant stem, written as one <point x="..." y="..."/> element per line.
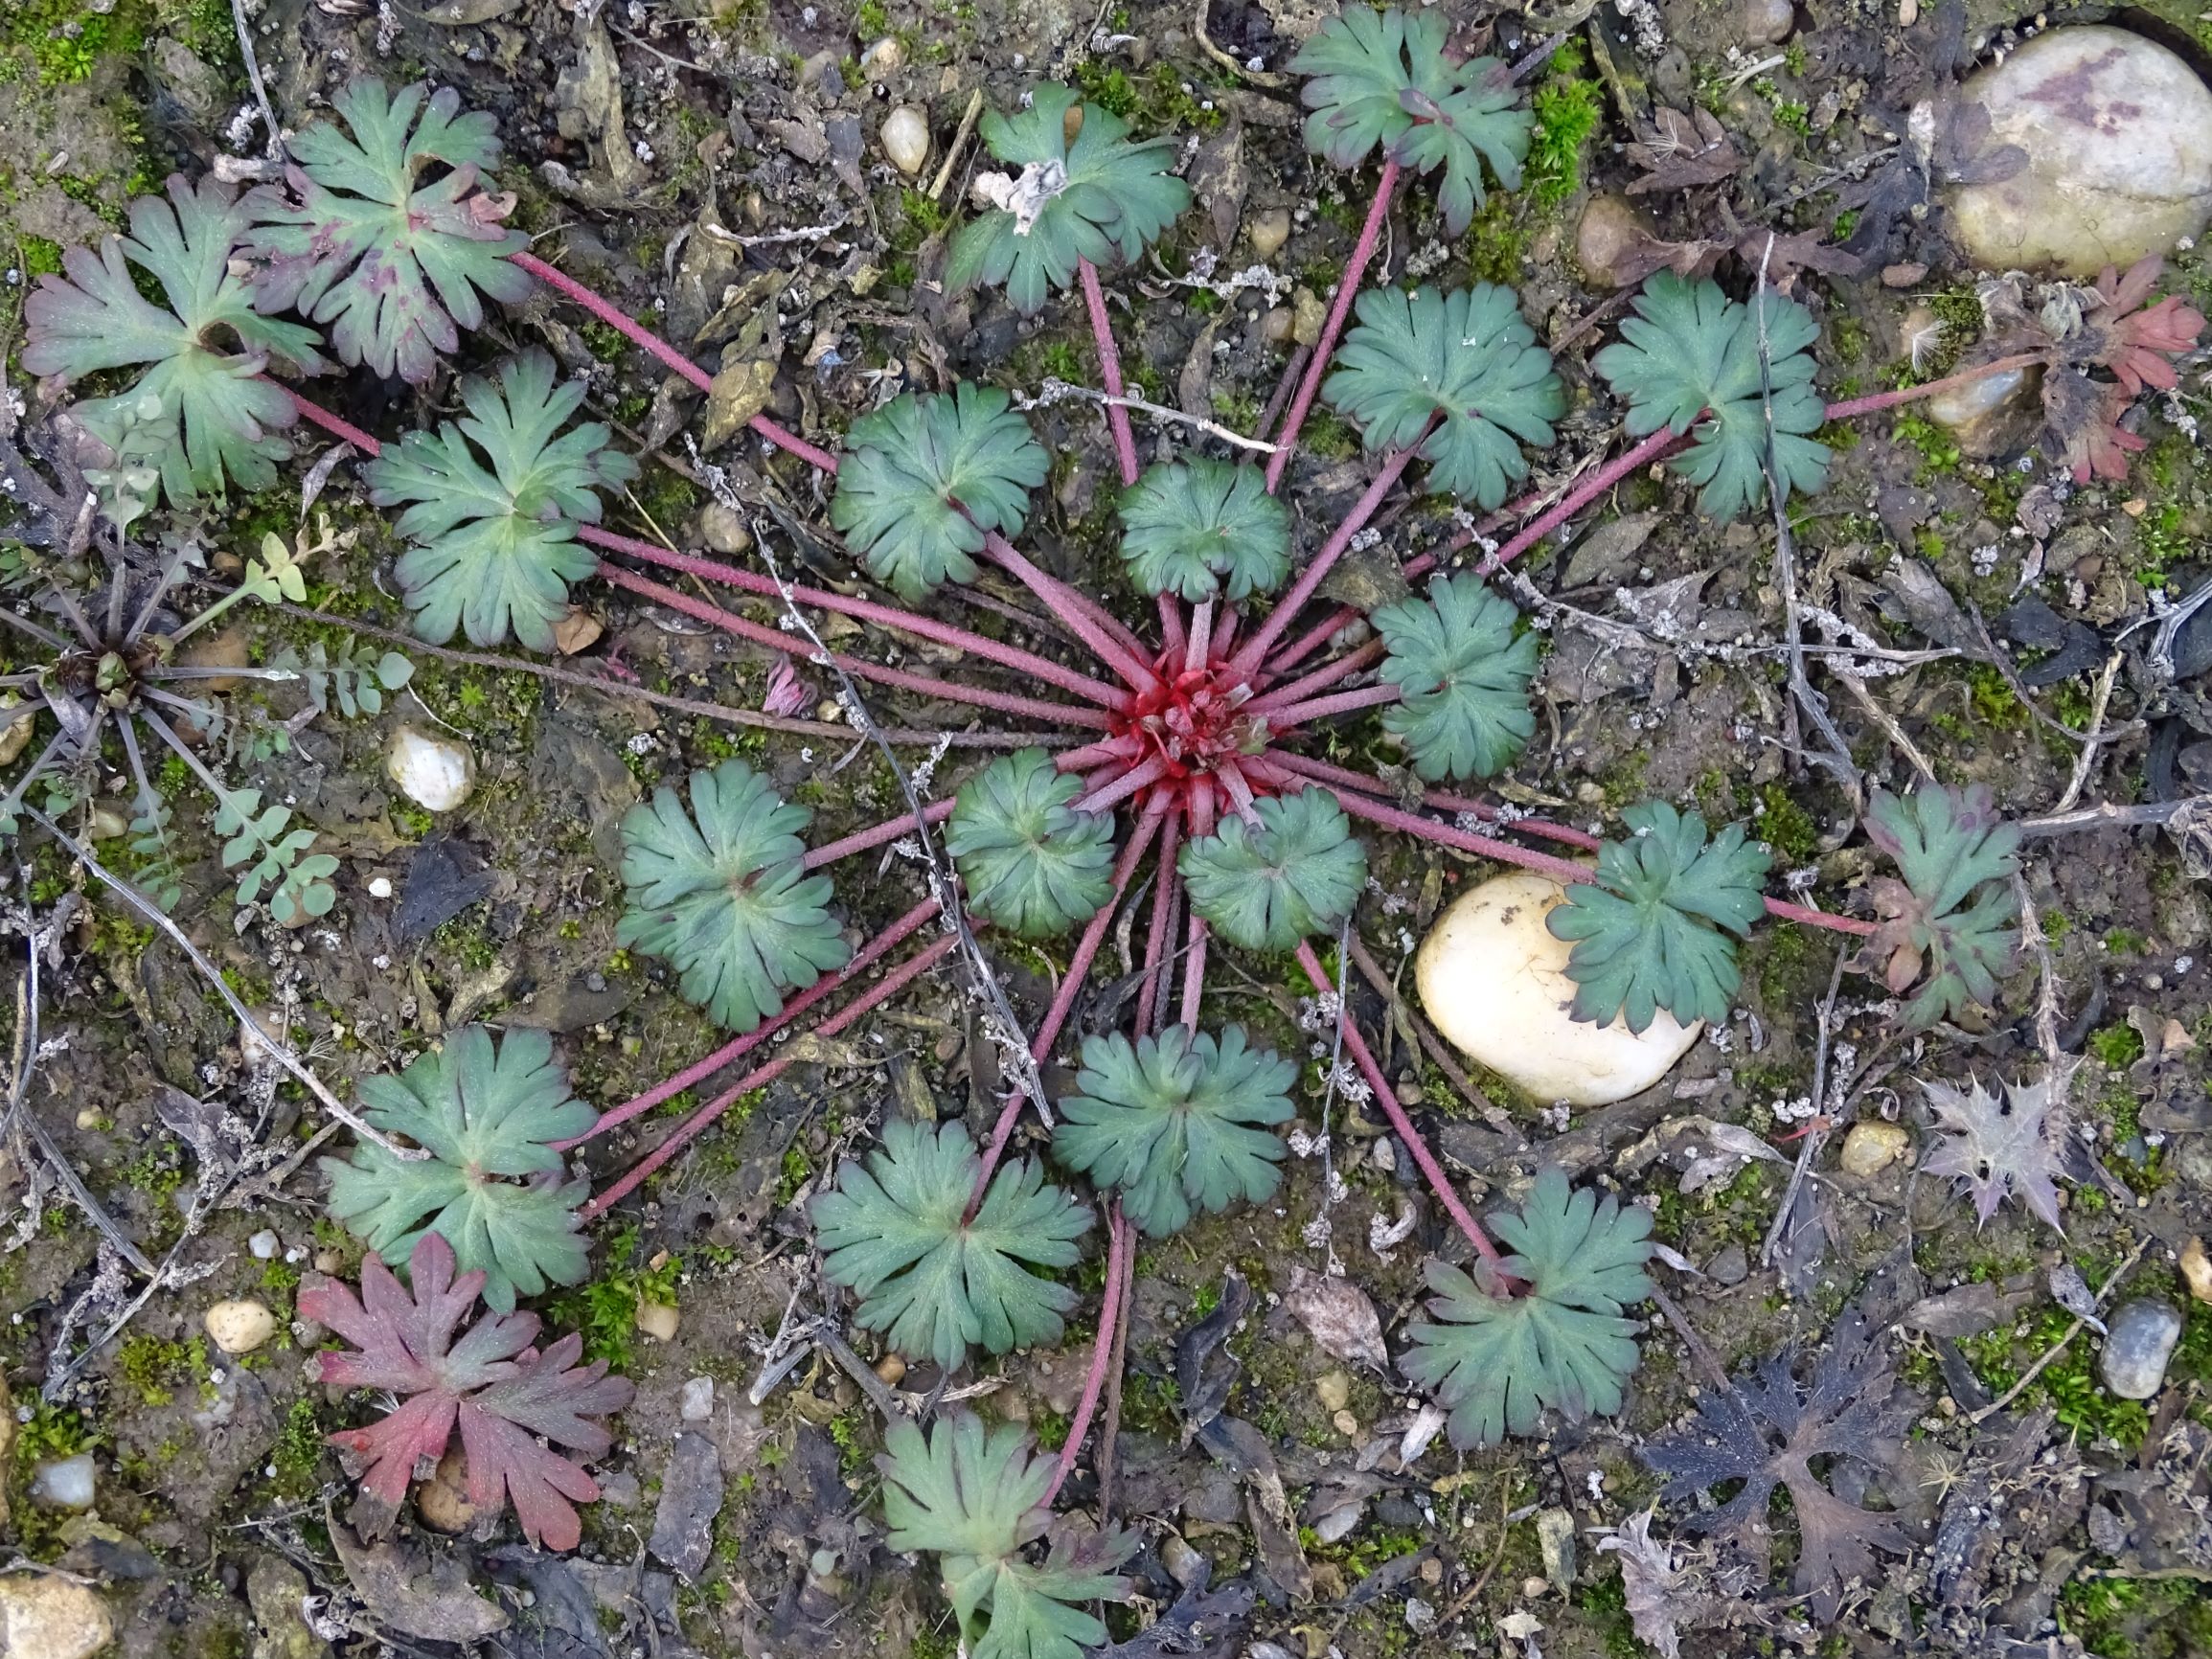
<point x="1059" y="715"/>
<point x="1816" y="1131"/>
<point x="1386" y="1097"/>
<point x="279" y="1051"/>
<point x="2114" y="815"/>
<point x="1101" y="1348"/>
<point x="1354" y="268"/>
<point x="2104" y="1291"/>
<point x="828" y="985"/>
<point x="2099" y="702"/>
<point x="700" y="1121"/>
<point x="1254" y="651"/>
<point x="864" y="610"/>
<point x="562" y="284"/>
<point x="1109" y="367"/>
<point x="1438" y="1056"/>
<point x="1281" y="393"/>
<point x="1063" y="1000"/>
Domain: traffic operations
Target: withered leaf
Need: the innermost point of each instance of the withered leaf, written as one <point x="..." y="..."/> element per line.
<point x="1997" y="1144"/>
<point x="1681" y="152"/>
<point x="1767" y="1431"/>
<point x="1338" y="1316"/>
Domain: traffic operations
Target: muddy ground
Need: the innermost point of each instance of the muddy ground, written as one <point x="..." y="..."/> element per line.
<point x="2069" y="1520"/>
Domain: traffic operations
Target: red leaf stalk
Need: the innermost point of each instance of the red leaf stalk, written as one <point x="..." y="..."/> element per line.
<point x="1124" y="655"/>
<point x="1109" y="367"/>
<point x="1102" y="799"/>
<point x="1354" y="268"/>
<point x="1153" y="989"/>
<point x="860" y="840"/>
<point x="1121" y="1262"/>
<point x="1295" y="715"/>
<point x="1322" y="772"/>
<point x="1320" y="679"/>
<point x="1194" y="971"/>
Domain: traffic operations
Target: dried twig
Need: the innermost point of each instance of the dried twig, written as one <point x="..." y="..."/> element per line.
<point x="959" y="143"/>
<point x="2115" y="815"/>
<point x="1055" y="389"/>
<point x="2095" y="737"/>
<point x="1816" y="1131"/>
<point x="246" y="35"/>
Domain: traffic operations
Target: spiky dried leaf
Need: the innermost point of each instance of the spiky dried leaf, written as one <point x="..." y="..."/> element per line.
<point x="1997" y="1144"/>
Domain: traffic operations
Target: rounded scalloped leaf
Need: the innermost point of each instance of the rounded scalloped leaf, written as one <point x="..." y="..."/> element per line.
<point x="1466" y="355"/>
<point x="1265" y="885"/>
<point x="1031" y="863"/>
<point x="721" y="892"/>
<point x="1204" y="529"/>
<point x="925" y="476"/>
<point x="1464" y="676"/>
<point x="1177" y="1123"/>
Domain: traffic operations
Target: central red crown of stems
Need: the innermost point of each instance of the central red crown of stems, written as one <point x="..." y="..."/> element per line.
<point x="1192" y="724"/>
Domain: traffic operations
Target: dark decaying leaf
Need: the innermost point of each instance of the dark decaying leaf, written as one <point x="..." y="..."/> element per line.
<point x="507" y="1399"/>
<point x="1995" y="1144"/>
<point x="1765" y="1431"/>
<point x="1681" y="152"/>
<point x="2136" y="344"/>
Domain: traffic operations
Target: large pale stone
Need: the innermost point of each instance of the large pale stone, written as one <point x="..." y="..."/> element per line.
<point x="51" y="1618"/>
<point x="2118" y="132"/>
<point x="1493" y="979"/>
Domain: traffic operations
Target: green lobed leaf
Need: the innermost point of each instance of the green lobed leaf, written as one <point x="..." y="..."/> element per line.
<point x="212" y="415"/>
<point x="1169" y="1122"/>
<point x="495" y="501"/>
<point x="1559" y="1342"/>
<point x="912" y="465"/>
<point x="1098" y="199"/>
<point x="1463" y="677"/>
<point x="1384" y="78"/>
<point x="975" y="1497"/>
<point x="1690" y="357"/>
<point x="1642" y="941"/>
<point x="721" y="892"/>
<point x="1465" y="355"/>
<point x="359" y="243"/>
<point x="1266" y="886"/>
<point x="1203" y="529"/>
<point x="492" y="1187"/>
<point x="1031" y="863"/>
<point x="1950" y="914"/>
<point x="891" y="1232"/>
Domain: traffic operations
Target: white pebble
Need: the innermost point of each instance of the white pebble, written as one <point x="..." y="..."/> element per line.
<point x="64" y="1483"/>
<point x="380" y="887"/>
<point x="239" y="1327"/>
<point x="264" y="1245"/>
<point x="905" y="138"/>
<point x="432" y="772"/>
<point x="695" y="1402"/>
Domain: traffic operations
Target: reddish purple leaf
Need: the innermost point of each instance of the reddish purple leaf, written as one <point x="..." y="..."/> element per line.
<point x="504" y="1395"/>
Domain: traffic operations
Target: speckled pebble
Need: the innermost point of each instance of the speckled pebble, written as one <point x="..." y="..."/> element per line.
<point x="2142" y="1339"/>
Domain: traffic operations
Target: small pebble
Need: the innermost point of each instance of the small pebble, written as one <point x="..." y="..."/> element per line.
<point x="657" y="1320"/>
<point x="1275" y="325"/>
<point x="1420" y="1616"/>
<point x="64" y="1483"/>
<point x="891" y="1369"/>
<point x="380" y="887"/>
<point x="1184" y="1565"/>
<point x="1383" y="1154"/>
<point x="90" y="1118"/>
<point x="695" y="1402"/>
<point x="723" y="530"/>
<point x="435" y="773"/>
<point x="264" y="1245"/>
<point x="1335" y="1390"/>
<point x="328" y="1261"/>
<point x="1731" y="1266"/>
<point x="905" y="139"/>
<point x="1769" y="22"/>
<point x="1346" y="1424"/>
<point x="880" y="60"/>
<point x="1271" y="230"/>
<point x="2197" y="1269"/>
<point x="2141" y="1341"/>
<point x="1307" y="315"/>
<point x="239" y="1327"/>
<point x="1872" y="1147"/>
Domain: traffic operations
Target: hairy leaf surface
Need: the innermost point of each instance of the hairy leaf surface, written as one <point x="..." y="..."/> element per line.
<point x="1098" y="198"/>
<point x="1463" y="359"/>
<point x="1203" y="529"/>
<point x="358" y="242"/>
<point x="720" y="891"/>
<point x="975" y="1497"/>
<point x="1265" y="887"/>
<point x="1995" y="1144"/>
<point x="200" y="415"/>
<point x="500" y="1391"/>
<point x="1464" y="675"/>
<point x="1497" y="1362"/>
<point x="1950" y="914"/>
<point x="891" y="1232"/>
<point x="910" y="468"/>
<point x="494" y="501"/>
<point x="491" y="1186"/>
<point x="1384" y="78"/>
<point x="1177" y="1121"/>
<point x="1690" y="358"/>
<point x="1642" y="941"/>
<point x="1031" y="863"/>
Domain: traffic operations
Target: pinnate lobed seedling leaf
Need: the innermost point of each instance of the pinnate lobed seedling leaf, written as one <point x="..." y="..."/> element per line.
<point x="1098" y="199"/>
<point x="1265" y="885"/>
<point x="494" y="505"/>
<point x="1647" y="935"/>
<point x="1992" y="1144"/>
<point x="503" y="1394"/>
<point x="925" y="476"/>
<point x="358" y="242"/>
<point x="975" y="1497"/>
<point x="1384" y="78"/>
<point x="1558" y="1342"/>
<point x="1690" y="358"/>
<point x="1948" y="917"/>
<point x="1464" y="676"/>
<point x="1465" y="360"/>
<point x="891" y="1232"/>
<point x="1031" y="863"/>
<point x="1204" y="529"/>
<point x="721" y="892"/>
<point x="492" y="1186"/>
<point x="213" y="415"/>
<point x="1177" y="1121"/>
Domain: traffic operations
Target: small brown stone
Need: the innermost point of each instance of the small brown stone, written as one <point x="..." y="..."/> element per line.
<point x="443" y="1500"/>
<point x="2197" y="1269"/>
<point x="1872" y="1147"/>
<point x="891" y="1370"/>
<point x="1903" y="276"/>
